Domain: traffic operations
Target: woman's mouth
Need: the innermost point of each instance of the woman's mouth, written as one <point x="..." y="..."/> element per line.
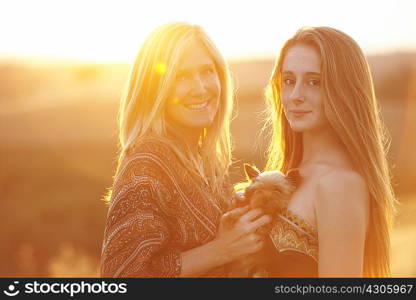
<point x="299" y="113"/>
<point x="197" y="106"/>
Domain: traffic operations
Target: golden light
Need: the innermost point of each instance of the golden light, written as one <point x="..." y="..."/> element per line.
<point x="75" y="30"/>
<point x="160" y="68"/>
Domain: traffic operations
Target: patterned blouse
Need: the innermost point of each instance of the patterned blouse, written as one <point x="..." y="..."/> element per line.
<point x="157" y="211"/>
<point x="295" y="247"/>
<point x="291" y="251"/>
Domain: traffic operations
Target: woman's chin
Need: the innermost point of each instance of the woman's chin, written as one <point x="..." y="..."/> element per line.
<point x="302" y="128"/>
<point x="296" y="127"/>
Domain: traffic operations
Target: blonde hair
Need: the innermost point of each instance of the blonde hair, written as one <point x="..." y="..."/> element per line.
<point x="351" y="108"/>
<point x="142" y="107"/>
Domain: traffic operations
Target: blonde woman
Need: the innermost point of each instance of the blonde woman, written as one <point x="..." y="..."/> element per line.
<point x="327" y="127"/>
<point x="170" y="191"/>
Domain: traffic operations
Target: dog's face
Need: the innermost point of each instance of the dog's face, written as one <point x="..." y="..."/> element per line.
<point x="269" y="190"/>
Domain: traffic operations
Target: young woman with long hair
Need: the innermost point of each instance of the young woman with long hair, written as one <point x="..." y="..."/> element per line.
<point x="167" y="207"/>
<point x="327" y="127"/>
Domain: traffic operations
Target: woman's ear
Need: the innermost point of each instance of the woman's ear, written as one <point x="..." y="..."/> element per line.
<point x="251" y="171"/>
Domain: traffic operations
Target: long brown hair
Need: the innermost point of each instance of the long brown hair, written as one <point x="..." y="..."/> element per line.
<point x="351" y="108"/>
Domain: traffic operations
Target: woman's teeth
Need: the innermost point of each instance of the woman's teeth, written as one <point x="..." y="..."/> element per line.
<point x="199" y="106"/>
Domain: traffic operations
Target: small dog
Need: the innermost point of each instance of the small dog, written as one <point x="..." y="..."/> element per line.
<point x="270" y="191"/>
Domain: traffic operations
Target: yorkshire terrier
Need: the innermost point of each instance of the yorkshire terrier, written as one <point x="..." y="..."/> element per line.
<point x="270" y="191"/>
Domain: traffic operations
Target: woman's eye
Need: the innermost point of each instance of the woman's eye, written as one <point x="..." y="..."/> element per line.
<point x="314" y="82"/>
<point x="208" y="71"/>
<point x="181" y="77"/>
<point x="288" y="81"/>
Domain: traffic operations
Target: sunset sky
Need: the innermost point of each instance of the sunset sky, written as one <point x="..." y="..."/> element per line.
<point x="113" y="30"/>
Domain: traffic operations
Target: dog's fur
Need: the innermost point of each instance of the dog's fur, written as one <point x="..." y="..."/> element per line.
<point x="271" y="192"/>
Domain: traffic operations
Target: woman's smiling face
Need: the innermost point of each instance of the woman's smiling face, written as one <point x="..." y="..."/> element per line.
<point x="194" y="97"/>
<point x="302" y="96"/>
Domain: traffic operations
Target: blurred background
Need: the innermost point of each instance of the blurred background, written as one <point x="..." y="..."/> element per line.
<point x="63" y="65"/>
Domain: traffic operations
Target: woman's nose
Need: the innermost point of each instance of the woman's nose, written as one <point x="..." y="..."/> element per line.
<point x="198" y="85"/>
<point x="297" y="94"/>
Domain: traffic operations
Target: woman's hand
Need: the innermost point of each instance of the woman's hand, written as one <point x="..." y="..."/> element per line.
<point x="236" y="238"/>
<point x="239" y="199"/>
<point x="240" y="238"/>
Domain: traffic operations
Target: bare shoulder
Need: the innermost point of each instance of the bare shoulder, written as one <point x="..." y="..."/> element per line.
<point x="343" y="193"/>
<point x="337" y="183"/>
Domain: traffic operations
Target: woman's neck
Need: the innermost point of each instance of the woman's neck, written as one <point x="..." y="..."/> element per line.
<point x="191" y="138"/>
<point x="323" y="147"/>
<point x="188" y="136"/>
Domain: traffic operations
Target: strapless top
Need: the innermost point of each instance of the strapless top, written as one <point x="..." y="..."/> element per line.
<point x="295" y="247"/>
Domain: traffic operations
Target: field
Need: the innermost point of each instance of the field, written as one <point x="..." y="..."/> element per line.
<point x="58" y="151"/>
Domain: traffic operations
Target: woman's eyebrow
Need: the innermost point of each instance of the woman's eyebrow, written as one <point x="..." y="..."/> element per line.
<point x="313" y="73"/>
<point x="202" y="66"/>
<point x="181" y="72"/>
<point x="207" y="65"/>
<point x="306" y="73"/>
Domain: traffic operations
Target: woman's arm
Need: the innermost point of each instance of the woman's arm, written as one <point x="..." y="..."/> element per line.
<point x="230" y="244"/>
<point x="137" y="236"/>
<point x="342" y="212"/>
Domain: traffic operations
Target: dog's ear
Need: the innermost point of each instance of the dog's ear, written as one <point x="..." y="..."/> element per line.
<point x="251" y="171"/>
<point x="294" y="177"/>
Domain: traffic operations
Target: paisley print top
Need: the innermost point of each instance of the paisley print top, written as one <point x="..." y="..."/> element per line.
<point x="157" y="211"/>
